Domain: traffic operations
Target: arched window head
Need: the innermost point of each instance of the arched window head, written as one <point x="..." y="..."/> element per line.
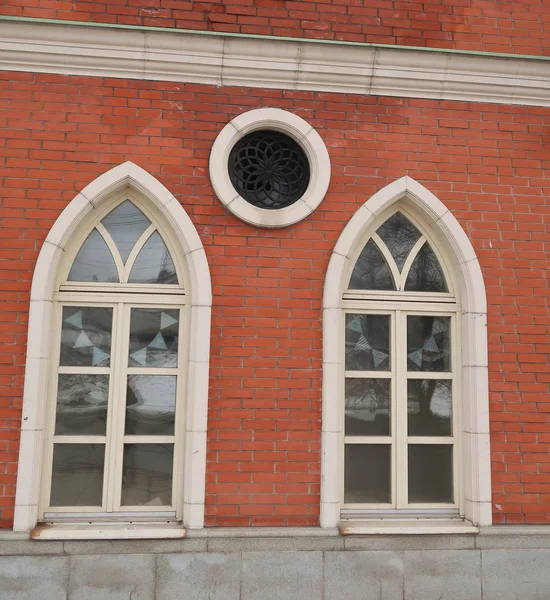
<point x="398" y="257"/>
<point x="124" y="247"/>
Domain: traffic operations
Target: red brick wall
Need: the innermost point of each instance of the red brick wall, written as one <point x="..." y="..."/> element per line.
<point x="489" y="164"/>
<point x="521" y="26"/>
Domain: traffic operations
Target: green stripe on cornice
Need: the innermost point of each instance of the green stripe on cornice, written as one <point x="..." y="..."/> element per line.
<point x="148" y="29"/>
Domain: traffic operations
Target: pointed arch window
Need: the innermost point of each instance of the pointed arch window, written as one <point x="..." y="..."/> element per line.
<point x="401" y="359"/>
<point x="115" y="417"/>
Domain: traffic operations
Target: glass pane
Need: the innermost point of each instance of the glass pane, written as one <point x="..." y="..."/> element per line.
<point x="82" y="404"/>
<point x="153" y="263"/>
<point x="399" y="235"/>
<point x="428" y="343"/>
<point x="429" y="406"/>
<point x="147" y="475"/>
<point x="426" y="274"/>
<point x="125" y="224"/>
<point x="367" y="406"/>
<point x="367" y="474"/>
<point x="153" y="338"/>
<point x="94" y="261"/>
<point x="367" y="342"/>
<point x="430" y="473"/>
<point x="86" y="336"/>
<point x="77" y="478"/>
<point x="371" y="272"/>
<point x="150" y="405"/>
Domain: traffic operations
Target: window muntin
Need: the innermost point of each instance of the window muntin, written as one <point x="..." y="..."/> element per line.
<point x="398" y="257"/>
<point x="116" y="419"/>
<point x="125" y="247"/>
<point x="401" y="416"/>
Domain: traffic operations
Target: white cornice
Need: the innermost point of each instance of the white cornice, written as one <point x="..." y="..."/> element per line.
<point x="187" y="57"/>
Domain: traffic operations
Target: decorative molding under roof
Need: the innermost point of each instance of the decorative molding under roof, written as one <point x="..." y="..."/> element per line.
<point x="101" y="51"/>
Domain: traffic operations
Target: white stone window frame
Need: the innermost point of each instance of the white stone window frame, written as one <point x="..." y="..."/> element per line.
<point x="188" y="246"/>
<point x="453" y="243"/>
<point x="274" y="119"/>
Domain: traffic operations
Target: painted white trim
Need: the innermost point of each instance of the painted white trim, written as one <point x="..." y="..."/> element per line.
<point x="407" y="527"/>
<point x="272" y="63"/>
<point x="455" y="244"/>
<point x="75" y="531"/>
<point x="299" y="130"/>
<point x="36" y="372"/>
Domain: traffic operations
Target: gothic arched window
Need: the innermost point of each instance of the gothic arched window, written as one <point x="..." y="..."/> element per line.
<point x="400" y="387"/>
<point x="115" y="417"/>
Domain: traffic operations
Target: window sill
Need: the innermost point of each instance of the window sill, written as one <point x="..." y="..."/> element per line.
<point x="406" y="526"/>
<point x="107" y="531"/>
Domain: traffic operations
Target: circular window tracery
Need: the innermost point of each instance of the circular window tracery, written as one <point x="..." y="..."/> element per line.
<point x="269" y="169"/>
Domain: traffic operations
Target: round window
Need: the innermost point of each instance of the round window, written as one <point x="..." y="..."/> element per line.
<point x="269" y="169"/>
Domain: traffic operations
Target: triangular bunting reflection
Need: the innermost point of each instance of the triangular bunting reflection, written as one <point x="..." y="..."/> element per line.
<point x="75" y="319"/>
<point x="416" y="357"/>
<point x="438" y="327"/>
<point x="158" y="342"/>
<point x="82" y="341"/>
<point x="431" y="345"/>
<point x="378" y="357"/>
<point x="166" y="321"/>
<point x="354" y="325"/>
<point x="99" y="357"/>
<point x="362" y="343"/>
<point x="140" y="356"/>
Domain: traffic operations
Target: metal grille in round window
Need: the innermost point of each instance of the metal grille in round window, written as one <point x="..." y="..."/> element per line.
<point x="269" y="169"/>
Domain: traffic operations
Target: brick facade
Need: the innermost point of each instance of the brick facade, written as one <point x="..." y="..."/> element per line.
<point x="489" y="164"/>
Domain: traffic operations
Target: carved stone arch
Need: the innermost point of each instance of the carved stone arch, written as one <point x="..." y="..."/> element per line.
<point x="455" y="245"/>
<point x="38" y="347"/>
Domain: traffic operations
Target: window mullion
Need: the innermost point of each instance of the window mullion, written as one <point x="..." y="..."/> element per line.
<point x="136" y="250"/>
<point x="401" y="408"/>
<point x="117" y="397"/>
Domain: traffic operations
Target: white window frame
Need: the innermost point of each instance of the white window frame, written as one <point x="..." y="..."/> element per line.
<point x="185" y="245"/>
<point x="448" y="240"/>
<point x="398" y="414"/>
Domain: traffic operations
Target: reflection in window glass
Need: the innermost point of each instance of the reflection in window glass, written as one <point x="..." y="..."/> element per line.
<point x="371" y="271"/>
<point x="367" y="406"/>
<point x="153" y="337"/>
<point x="428" y="343"/>
<point x="426" y="274"/>
<point x="147" y="475"/>
<point x="367" y="473"/>
<point x="430" y="473"/>
<point x="367" y="342"/>
<point x="82" y="404"/>
<point x="77" y="477"/>
<point x="429" y="406"/>
<point x="86" y="336"/>
<point x="150" y="405"/>
<point x="125" y="225"/>
<point x="94" y="262"/>
<point x="153" y="263"/>
<point x="399" y="235"/>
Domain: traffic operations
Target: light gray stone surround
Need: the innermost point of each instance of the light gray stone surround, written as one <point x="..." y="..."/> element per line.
<point x="500" y="563"/>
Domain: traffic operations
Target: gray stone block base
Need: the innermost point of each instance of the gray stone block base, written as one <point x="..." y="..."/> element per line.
<point x="500" y="564"/>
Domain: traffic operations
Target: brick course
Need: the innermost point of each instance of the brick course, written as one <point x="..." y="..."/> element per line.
<point x="489" y="164"/>
<point x="521" y="27"/>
